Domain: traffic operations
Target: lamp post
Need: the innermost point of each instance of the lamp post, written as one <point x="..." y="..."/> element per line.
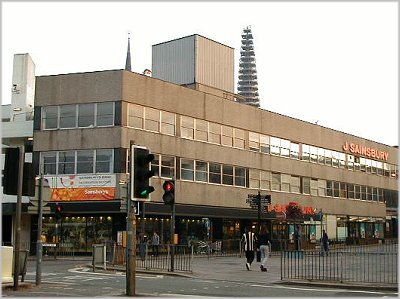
<point x="39" y="245"/>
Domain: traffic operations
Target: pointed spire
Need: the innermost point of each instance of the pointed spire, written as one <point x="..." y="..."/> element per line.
<point x="128" y="55"/>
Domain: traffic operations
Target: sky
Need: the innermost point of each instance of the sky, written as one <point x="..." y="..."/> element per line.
<point x="331" y="63"/>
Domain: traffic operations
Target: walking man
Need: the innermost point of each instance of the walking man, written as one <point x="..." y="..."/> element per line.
<point x="264" y="243"/>
<point x="155" y="242"/>
<point x="325" y="242"/>
<point x="249" y="241"/>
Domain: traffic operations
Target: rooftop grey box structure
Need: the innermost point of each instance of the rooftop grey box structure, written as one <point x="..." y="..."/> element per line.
<point x="194" y="59"/>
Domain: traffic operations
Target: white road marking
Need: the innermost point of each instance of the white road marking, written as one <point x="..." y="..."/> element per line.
<point x="315" y="289"/>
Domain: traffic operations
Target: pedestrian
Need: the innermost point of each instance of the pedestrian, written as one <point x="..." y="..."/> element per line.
<point x="325" y="242"/>
<point x="249" y="241"/>
<point x="297" y="238"/>
<point x="155" y="243"/>
<point x="264" y="241"/>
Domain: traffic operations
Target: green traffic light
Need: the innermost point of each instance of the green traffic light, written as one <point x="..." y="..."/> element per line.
<point x="147" y="191"/>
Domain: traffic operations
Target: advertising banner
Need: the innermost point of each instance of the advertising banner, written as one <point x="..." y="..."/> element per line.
<point x="82" y="187"/>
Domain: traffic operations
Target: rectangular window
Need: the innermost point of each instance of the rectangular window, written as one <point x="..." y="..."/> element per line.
<point x="336" y="189"/>
<point x="187" y="169"/>
<point x="215" y="173"/>
<point x="295" y="151"/>
<point x="227" y="136"/>
<point x="363" y="192"/>
<point x="201" y="133"/>
<point x="187" y="127"/>
<point x="105" y="114"/>
<point x="369" y="193"/>
<point x="306" y="189"/>
<point x="379" y="168"/>
<point x="265" y="144"/>
<point x="276" y="182"/>
<point x="335" y="159"/>
<point x="136" y="116"/>
<point x="104" y="161"/>
<point x="275" y="146"/>
<point x="201" y="171"/>
<point x="314" y="187"/>
<point x="350" y="162"/>
<point x="67" y="116"/>
<point x="85" y="115"/>
<point x="167" y="167"/>
<point x="84" y="161"/>
<point x="49" y="161"/>
<point x="285" y="148"/>
<point x="227" y="175"/>
<point x="357" y="191"/>
<point x="66" y="162"/>
<point x="329" y="188"/>
<point x="375" y="194"/>
<point x="152" y="119"/>
<point x="240" y="176"/>
<point x="328" y="157"/>
<point x="321" y="155"/>
<point x="295" y="184"/>
<point x="254" y="141"/>
<point x="50" y="117"/>
<point x="265" y="183"/>
<point x="350" y="191"/>
<point x="254" y="178"/>
<point x="343" y="190"/>
<point x="321" y="188"/>
<point x="342" y="160"/>
<point x="285" y="182"/>
<point x="239" y="138"/>
<point x="167" y="123"/>
<point x="305" y="152"/>
<point x="313" y="154"/>
<point x="214" y="133"/>
<point x="155" y="165"/>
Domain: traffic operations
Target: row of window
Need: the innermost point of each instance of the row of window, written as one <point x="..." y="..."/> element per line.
<point x="78" y="116"/>
<point x="154" y="120"/>
<point x="78" y="161"/>
<point x="101" y="161"/>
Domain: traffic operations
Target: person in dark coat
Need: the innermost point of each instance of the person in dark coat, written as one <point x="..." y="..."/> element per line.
<point x="249" y="241"/>
<point x="325" y="242"/>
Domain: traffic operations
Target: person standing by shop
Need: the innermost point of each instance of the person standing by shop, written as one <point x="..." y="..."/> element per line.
<point x="155" y="243"/>
<point x="325" y="242"/>
<point x="297" y="237"/>
<point x="264" y="241"/>
<point x="249" y="241"/>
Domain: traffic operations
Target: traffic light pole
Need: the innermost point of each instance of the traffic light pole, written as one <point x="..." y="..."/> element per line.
<point x="17" y="241"/>
<point x="172" y="235"/>
<point x="131" y="252"/>
<point x="259" y="213"/>
<point x="39" y="245"/>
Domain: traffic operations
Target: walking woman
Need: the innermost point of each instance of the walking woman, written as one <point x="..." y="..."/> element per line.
<point x="263" y="243"/>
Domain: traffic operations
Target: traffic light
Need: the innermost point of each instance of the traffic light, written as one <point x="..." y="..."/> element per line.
<point x="141" y="173"/>
<point x="10" y="174"/>
<point x="268" y="198"/>
<point x="59" y="211"/>
<point x="169" y="192"/>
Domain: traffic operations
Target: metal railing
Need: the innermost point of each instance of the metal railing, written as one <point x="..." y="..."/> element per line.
<point x="376" y="264"/>
<point x="147" y="258"/>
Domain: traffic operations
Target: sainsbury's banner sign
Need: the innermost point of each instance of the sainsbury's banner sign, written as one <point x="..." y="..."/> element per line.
<point x="82" y="187"/>
<point x="365" y="151"/>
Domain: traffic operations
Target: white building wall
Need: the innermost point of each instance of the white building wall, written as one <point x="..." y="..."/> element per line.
<point x="23" y="87"/>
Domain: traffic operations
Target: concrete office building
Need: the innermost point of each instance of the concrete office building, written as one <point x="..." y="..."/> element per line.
<point x="217" y="150"/>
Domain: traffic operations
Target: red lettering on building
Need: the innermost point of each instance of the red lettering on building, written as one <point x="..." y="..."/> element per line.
<point x="365" y="151"/>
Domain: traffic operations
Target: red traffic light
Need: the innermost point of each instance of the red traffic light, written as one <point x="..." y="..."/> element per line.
<point x="168" y="186"/>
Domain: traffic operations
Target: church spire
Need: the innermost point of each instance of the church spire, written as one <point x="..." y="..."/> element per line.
<point x="128" y="55"/>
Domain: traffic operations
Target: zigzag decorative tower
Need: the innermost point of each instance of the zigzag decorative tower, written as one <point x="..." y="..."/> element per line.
<point x="247" y="83"/>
